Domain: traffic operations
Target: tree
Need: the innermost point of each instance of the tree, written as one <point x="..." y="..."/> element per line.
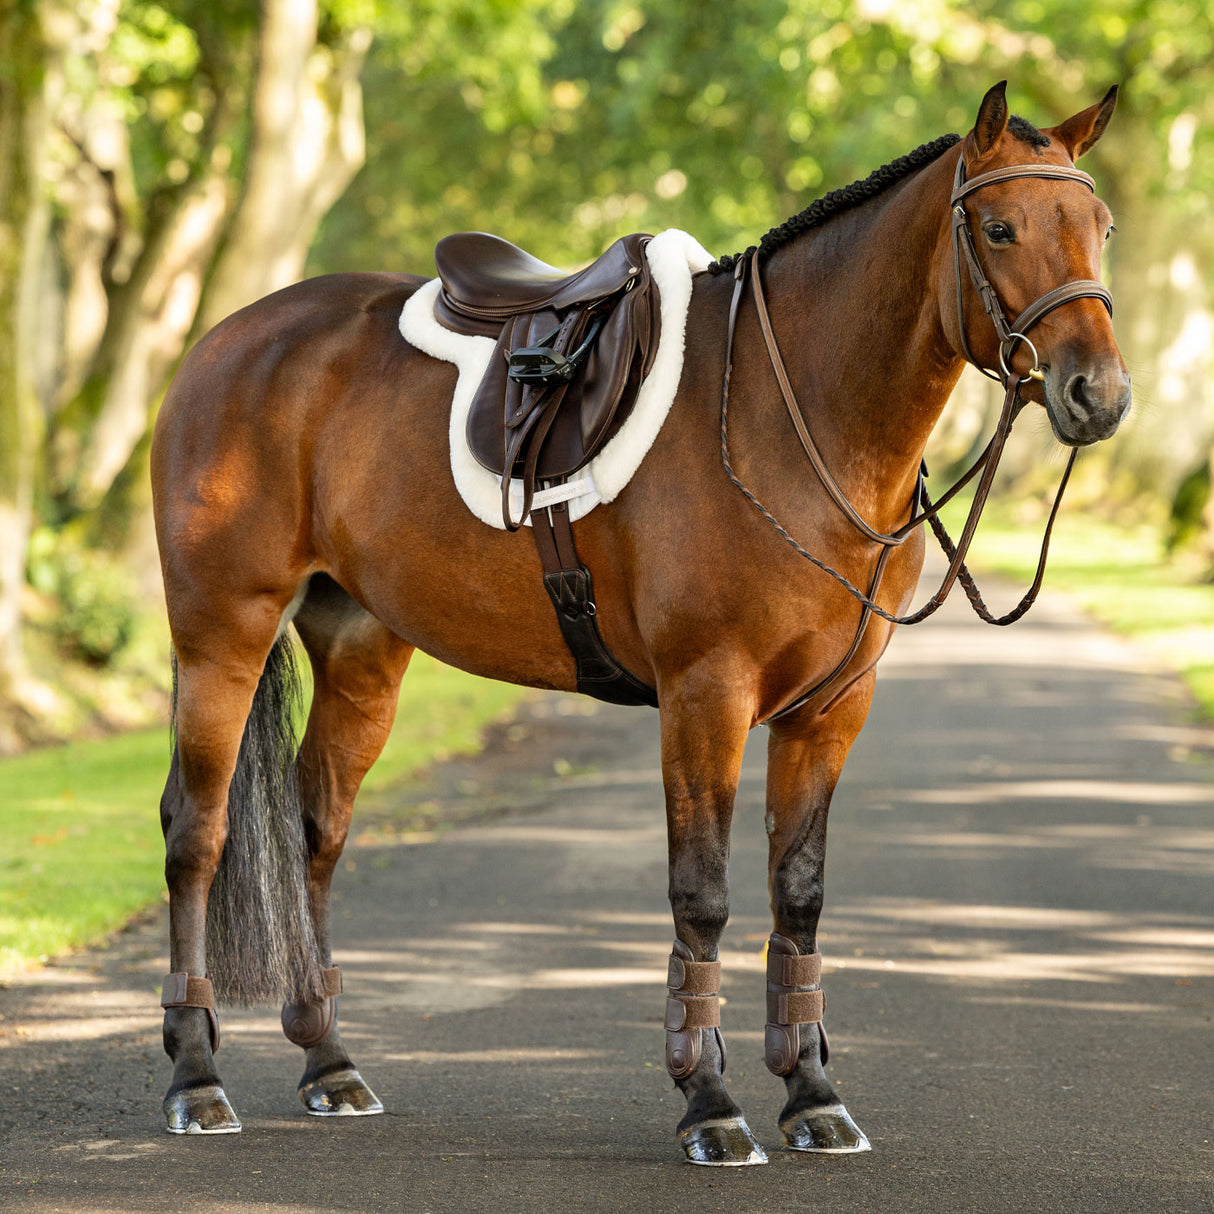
<point x="157" y="171"/>
<point x="23" y="55"/>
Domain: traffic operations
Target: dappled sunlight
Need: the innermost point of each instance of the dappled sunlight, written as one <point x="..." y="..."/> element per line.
<point x="478" y="1057"/>
<point x="1105" y="791"/>
<point x="1053" y="649"/>
<point x="513" y="929"/>
<point x="569" y="836"/>
<point x="979" y="943"/>
<point x="987" y="961"/>
<point x="960" y="914"/>
<point x="1139" y="846"/>
<point x="1085" y="1007"/>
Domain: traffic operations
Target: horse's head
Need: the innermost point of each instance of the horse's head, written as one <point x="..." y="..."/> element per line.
<point x="1031" y="235"/>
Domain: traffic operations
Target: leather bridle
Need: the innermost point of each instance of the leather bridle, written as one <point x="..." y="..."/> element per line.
<point x="1010" y="336"/>
<point x="922" y="509"/>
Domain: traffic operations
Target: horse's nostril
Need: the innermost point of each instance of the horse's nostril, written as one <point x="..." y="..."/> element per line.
<point x="1076" y="391"/>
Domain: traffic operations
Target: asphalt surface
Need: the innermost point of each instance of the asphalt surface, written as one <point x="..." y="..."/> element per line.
<point x="1019" y="960"/>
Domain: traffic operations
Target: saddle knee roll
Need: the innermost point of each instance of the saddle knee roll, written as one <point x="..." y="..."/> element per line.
<point x="692" y="1005"/>
<point x="789" y="1007"/>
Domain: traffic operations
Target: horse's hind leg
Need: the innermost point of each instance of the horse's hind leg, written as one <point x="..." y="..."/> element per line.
<point x="217" y="681"/>
<point x="357" y="666"/>
<point x="702" y="745"/>
<point x="804" y="760"/>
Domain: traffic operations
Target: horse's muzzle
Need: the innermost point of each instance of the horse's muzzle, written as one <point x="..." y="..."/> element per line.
<point x="1086" y="403"/>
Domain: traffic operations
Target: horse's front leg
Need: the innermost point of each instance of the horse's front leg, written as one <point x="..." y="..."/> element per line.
<point x="804" y="760"/>
<point x="702" y="745"/>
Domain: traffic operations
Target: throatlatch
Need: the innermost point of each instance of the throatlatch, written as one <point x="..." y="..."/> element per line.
<point x="308" y="1024"/>
<point x="693" y="1003"/>
<point x="794" y="998"/>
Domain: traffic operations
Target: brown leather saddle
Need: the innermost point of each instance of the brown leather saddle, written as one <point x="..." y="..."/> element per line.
<point x="572" y="350"/>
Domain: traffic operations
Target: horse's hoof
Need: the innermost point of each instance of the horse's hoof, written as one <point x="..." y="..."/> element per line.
<point x="202" y="1110"/>
<point x="724" y="1143"/>
<point x="340" y="1094"/>
<point x="828" y="1131"/>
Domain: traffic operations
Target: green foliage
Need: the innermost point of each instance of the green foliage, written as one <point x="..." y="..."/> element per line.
<point x="1120" y="574"/>
<point x="1186" y="518"/>
<point x="96" y="606"/>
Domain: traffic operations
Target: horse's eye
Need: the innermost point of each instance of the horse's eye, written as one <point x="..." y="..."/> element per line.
<point x="1110" y="232"/>
<point x="999" y="233"/>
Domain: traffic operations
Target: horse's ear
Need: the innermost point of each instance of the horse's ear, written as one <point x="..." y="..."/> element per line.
<point x="989" y="125"/>
<point x="1077" y="134"/>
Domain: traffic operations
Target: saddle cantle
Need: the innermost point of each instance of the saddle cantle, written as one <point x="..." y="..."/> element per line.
<point x="572" y="350"/>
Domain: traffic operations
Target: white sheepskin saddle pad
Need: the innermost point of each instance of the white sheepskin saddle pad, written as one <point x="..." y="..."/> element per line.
<point x="673" y="258"/>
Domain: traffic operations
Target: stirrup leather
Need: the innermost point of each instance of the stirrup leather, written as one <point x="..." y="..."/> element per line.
<point x="692" y="1004"/>
<point x="789" y="1005"/>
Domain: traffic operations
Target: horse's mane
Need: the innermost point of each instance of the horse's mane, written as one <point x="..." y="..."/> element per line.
<point x="830" y="205"/>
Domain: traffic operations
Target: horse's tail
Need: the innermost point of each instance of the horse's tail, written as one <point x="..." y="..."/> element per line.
<point x="261" y="944"/>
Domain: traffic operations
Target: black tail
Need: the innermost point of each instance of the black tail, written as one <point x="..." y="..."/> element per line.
<point x="261" y="945"/>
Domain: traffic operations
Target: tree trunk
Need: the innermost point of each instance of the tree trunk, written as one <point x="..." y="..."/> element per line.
<point x="307" y="143"/>
<point x="23" y="220"/>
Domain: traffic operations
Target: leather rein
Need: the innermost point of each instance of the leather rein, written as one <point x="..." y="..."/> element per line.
<point x="922" y="509"/>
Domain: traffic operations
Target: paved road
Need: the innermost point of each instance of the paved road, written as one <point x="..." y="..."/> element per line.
<point x="1019" y="949"/>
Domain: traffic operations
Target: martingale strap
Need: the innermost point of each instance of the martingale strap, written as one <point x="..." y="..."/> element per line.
<point x="923" y="509"/>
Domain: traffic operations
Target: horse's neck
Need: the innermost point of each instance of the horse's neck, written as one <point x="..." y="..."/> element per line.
<point x="865" y="347"/>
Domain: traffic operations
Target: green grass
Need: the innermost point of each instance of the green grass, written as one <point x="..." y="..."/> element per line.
<point x="1121" y="576"/>
<point x="80" y="823"/>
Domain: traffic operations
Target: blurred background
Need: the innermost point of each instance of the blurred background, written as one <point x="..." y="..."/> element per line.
<point x="161" y="165"/>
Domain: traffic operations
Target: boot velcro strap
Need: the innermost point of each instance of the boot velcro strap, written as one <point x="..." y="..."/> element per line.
<point x="795" y="1007"/>
<point x="805" y="970"/>
<point x="332" y="981"/>
<point x="185" y="990"/>
<point x="692" y="1012"/>
<point x="694" y="977"/>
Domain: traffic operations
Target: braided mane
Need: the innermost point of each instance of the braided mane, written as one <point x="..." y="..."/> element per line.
<point x="829" y="205"/>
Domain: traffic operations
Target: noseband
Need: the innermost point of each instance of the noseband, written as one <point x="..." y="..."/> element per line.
<point x="1010" y="335"/>
<point x="923" y="510"/>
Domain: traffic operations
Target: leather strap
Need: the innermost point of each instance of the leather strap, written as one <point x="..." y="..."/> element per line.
<point x="188" y="990"/>
<point x="963" y="188"/>
<point x="795" y="1007"/>
<point x="685" y="1011"/>
<point x="571" y="589"/>
<point x="1010" y="336"/>
<point x="794" y="969"/>
<point x="694" y="977"/>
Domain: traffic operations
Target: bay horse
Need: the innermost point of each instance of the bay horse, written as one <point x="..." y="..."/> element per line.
<point x="301" y="477"/>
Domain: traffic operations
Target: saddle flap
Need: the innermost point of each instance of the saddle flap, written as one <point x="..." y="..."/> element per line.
<point x="589" y="408"/>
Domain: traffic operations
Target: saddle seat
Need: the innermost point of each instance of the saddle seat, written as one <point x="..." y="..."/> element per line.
<point x="571" y="353"/>
<point x="487" y="277"/>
